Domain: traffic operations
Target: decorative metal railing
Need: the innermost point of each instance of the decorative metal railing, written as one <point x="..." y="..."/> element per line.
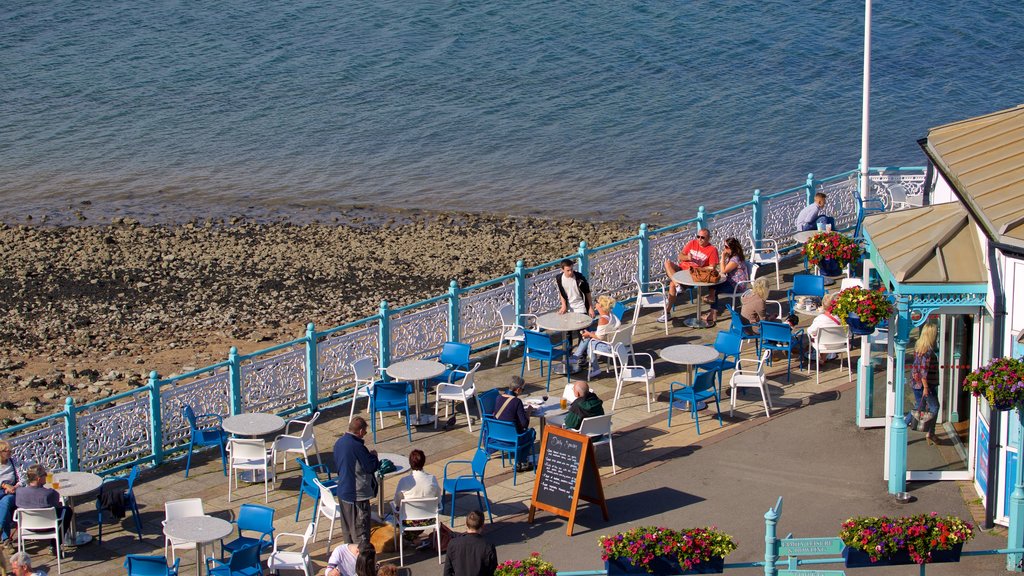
<point x="146" y="425"/>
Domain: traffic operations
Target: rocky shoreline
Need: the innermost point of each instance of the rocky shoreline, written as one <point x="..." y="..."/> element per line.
<point x="90" y="310"/>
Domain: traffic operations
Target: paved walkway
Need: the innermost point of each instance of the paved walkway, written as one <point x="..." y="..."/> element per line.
<point x="810" y="452"/>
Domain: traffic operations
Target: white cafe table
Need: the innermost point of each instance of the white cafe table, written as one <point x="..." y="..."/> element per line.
<point x="547" y="411"/>
<point x="683" y="277"/>
<point x="199" y="529"/>
<point x="76" y="485"/>
<point x="417" y="371"/>
<point x="688" y="355"/>
<point x="569" y="323"/>
<point x="253" y="425"/>
<point x="401" y="466"/>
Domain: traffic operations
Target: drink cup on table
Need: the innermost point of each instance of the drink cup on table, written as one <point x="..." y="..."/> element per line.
<point x="49" y="477"/>
<point x="56" y="484"/>
<point x="563" y="404"/>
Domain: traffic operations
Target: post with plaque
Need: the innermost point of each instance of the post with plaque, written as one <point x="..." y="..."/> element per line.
<point x="566" y="473"/>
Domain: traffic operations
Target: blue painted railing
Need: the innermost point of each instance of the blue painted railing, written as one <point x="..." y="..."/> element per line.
<point x="145" y="425"/>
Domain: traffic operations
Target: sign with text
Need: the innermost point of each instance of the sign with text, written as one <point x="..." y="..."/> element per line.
<point x="810" y="546"/>
<point x="566" y="473"/>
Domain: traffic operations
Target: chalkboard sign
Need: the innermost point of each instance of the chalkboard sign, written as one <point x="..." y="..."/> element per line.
<point x="566" y="473"/>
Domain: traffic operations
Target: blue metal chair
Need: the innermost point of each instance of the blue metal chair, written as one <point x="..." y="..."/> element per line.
<point x="455" y="356"/>
<point x="309" y="473"/>
<point x="780" y="336"/>
<point x="619" y="310"/>
<point x="129" y="499"/>
<point x="206" y="436"/>
<point x="539" y="347"/>
<point x="503" y="437"/>
<point x="243" y="562"/>
<point x="805" y="285"/>
<point x="728" y="345"/>
<point x="737" y="327"/>
<point x="252" y="518"/>
<point x="141" y="565"/>
<point x="473" y="482"/>
<point x="703" y="390"/>
<point x="864" y="209"/>
<point x="390" y="397"/>
<point x="486" y="401"/>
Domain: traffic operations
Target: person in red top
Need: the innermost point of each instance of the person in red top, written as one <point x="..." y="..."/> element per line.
<point x="697" y="253"/>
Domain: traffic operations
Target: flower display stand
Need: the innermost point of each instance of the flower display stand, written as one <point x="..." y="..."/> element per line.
<point x="857" y="327"/>
<point x="860" y="559"/>
<point x="662" y="565"/>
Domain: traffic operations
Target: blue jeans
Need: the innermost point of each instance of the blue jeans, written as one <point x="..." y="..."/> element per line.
<point x="931" y="403"/>
<point x="6" y="514"/>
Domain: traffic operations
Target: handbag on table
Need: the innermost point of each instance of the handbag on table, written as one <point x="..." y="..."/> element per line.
<point x="705" y="275"/>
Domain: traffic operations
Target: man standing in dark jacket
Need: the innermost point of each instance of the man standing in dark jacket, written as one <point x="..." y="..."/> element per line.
<point x="471" y="554"/>
<point x="356" y="482"/>
<point x="585" y="405"/>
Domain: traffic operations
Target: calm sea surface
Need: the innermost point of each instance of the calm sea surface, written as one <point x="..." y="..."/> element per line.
<point x="600" y="109"/>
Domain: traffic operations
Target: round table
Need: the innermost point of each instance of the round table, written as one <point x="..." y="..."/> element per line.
<point x="568" y="323"/>
<point x="198" y="529"/>
<point x="683" y="277"/>
<point x="75" y="485"/>
<point x="417" y="371"/>
<point x="546" y="411"/>
<point x="253" y="425"/>
<point x="689" y="355"/>
<point x="401" y="465"/>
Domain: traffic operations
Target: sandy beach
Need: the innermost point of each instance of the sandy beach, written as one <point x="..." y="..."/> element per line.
<point x="90" y="310"/>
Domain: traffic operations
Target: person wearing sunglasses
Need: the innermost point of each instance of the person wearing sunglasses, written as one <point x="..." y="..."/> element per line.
<point x="697" y="253"/>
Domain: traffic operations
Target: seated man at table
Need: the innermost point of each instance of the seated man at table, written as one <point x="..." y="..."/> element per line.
<point x="585" y="405"/>
<point x="814" y="214"/>
<point x="35" y="495"/>
<point x="509" y="408"/>
<point x="697" y="253"/>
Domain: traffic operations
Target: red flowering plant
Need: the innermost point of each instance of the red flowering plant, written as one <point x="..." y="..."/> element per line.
<point x="1001" y="381"/>
<point x="872" y="306"/>
<point x="532" y="566"/>
<point x="831" y="246"/>
<point x="882" y="537"/>
<point x="690" y="547"/>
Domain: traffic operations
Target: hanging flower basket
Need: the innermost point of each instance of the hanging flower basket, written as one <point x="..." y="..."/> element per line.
<point x="920" y="539"/>
<point x="1001" y="381"/>
<point x="651" y="550"/>
<point x="532" y="566"/>
<point x="866" y="308"/>
<point x="831" y="246"/>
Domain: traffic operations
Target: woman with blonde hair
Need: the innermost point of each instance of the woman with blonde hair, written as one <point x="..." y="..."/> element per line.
<point x="607" y="324"/>
<point x="923" y="377"/>
<point x="9" y="482"/>
<point x="753" y="302"/>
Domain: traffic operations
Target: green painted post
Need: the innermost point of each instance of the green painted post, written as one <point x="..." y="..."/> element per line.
<point x="584" y="259"/>
<point x="701" y="219"/>
<point x="757" y="223"/>
<point x="1015" y="535"/>
<point x="156" y="437"/>
<point x="384" y="337"/>
<point x="71" y="432"/>
<point x="898" y="430"/>
<point x="771" y="518"/>
<point x="453" y="312"/>
<point x="811" y="185"/>
<point x="644" y="257"/>
<point x="522" y="306"/>
<point x="312" y="369"/>
<point x="235" y="381"/>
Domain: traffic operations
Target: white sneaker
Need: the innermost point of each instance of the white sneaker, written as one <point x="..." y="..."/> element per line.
<point x="663" y="318"/>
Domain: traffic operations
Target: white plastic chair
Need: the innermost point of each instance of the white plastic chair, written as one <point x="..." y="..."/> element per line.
<point x="40" y="524"/>
<point x="417" y="509"/>
<point x="649" y="299"/>
<point x="599" y="428"/>
<point x="184" y="508"/>
<point x="460" y="392"/>
<point x="249" y="454"/>
<point x="364" y="375"/>
<point x="851" y="283"/>
<point x="768" y="253"/>
<point x="511" y="330"/>
<point x="831" y="340"/>
<point x="597" y="349"/>
<point x="626" y="371"/>
<point x="898" y="197"/>
<point x="328" y="507"/>
<point x="301" y="443"/>
<point x="751" y="379"/>
<point x="290" y="559"/>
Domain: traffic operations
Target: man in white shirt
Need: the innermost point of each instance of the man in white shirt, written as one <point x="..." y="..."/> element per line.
<point x="573" y="290"/>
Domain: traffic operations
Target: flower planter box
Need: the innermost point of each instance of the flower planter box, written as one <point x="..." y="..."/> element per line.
<point x="857" y="327"/>
<point x="662" y="566"/>
<point x="830" y="267"/>
<point x="860" y="559"/>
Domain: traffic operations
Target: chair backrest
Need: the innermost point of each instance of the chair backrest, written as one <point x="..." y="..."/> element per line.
<point x="256" y="518"/>
<point x="479" y="464"/>
<point x="620" y="354"/>
<point x="364" y="369"/>
<point x="141" y="565"/>
<point x="487" y="400"/>
<point x="248" y="448"/>
<point x="247" y="556"/>
<point x="190" y="415"/>
<point x="596" y="425"/>
<point x="776" y="332"/>
<point x="327" y="499"/>
<point x="735" y="322"/>
<point x="36" y="518"/>
<point x="831" y="336"/>
<point x="184" y="508"/>
<point x="132" y="477"/>
<point x="455" y="354"/>
<point x="618" y="310"/>
<point x="308" y="428"/>
<point x="469" y="380"/>
<point x="851" y="283"/>
<point x="507" y="315"/>
<point x="390" y="392"/>
<point x="727" y="343"/>
<point x="623" y="335"/>
<point x="537" y="340"/>
<point x="501" y="430"/>
<point x="418" y="508"/>
<point x="898" y="194"/>
<point x="308" y="475"/>
<point x="704" y="381"/>
<point x="307" y="536"/>
<point x="808" y="285"/>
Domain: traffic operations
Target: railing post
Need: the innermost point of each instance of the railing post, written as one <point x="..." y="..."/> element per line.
<point x="771" y="518"/>
<point x="702" y="220"/>
<point x="453" y="311"/>
<point x="584" y="259"/>
<point x="644" y="257"/>
<point x="810" y="188"/>
<point x="235" y="381"/>
<point x="71" y="433"/>
<point x="384" y="337"/>
<point x="1015" y="535"/>
<point x="156" y="436"/>
<point x="522" y="306"/>
<point x="312" y="369"/>
<point x="757" y="220"/>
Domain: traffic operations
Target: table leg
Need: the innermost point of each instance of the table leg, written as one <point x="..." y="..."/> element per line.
<point x="72" y="535"/>
<point x="420" y="419"/>
<point x="200" y="558"/>
<point x="697" y="321"/>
